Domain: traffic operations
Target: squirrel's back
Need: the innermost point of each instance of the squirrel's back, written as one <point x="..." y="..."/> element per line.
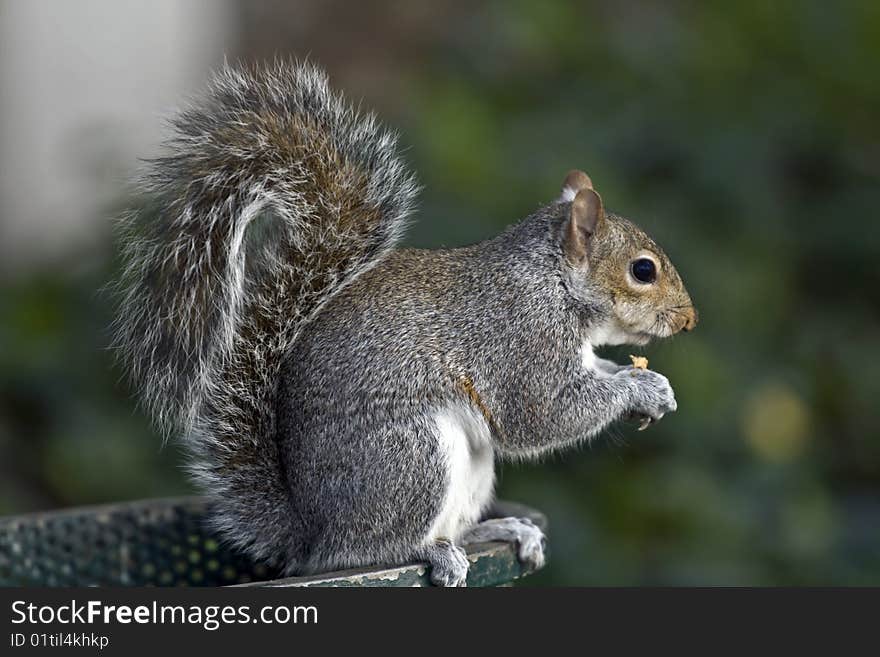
<point x="274" y="195"/>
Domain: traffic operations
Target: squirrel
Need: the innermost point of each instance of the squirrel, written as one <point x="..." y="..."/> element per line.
<point x="343" y="401"/>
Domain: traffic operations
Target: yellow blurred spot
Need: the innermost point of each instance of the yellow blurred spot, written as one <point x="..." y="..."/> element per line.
<point x="776" y="423"/>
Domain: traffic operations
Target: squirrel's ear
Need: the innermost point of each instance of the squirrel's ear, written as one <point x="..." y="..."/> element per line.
<point x="584" y="218"/>
<point x="574" y="182"/>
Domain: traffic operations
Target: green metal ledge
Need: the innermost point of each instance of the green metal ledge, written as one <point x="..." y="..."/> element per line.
<point x="165" y="542"/>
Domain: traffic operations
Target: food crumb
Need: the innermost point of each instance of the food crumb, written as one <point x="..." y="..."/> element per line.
<point x="639" y="362"/>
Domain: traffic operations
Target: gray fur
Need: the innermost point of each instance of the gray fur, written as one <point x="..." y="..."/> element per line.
<point x="449" y="563"/>
<point x="236" y="253"/>
<point x="527" y="536"/>
<point x="267" y="319"/>
<point x="364" y="380"/>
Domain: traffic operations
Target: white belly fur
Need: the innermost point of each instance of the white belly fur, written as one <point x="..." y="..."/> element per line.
<point x="465" y="441"/>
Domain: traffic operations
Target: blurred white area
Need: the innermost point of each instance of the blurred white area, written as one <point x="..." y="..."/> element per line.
<point x="84" y="87"/>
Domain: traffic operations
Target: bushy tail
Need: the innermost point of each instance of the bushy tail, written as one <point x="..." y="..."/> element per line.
<point x="274" y="194"/>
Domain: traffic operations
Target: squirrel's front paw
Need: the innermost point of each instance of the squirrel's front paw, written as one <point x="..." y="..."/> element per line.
<point x="653" y="396"/>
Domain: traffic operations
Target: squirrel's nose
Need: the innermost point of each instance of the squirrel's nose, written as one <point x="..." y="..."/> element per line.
<point x="691" y="319"/>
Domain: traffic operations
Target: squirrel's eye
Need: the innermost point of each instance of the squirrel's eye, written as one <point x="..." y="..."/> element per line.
<point x="644" y="270"/>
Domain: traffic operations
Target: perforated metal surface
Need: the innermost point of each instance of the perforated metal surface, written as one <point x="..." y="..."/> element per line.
<point x="155" y="542"/>
<point x="166" y="543"/>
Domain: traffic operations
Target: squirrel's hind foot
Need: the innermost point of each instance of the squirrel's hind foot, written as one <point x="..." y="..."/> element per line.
<point x="449" y="563"/>
<point x="527" y="535"/>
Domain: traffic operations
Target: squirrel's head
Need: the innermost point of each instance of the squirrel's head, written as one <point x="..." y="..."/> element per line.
<point x="611" y="263"/>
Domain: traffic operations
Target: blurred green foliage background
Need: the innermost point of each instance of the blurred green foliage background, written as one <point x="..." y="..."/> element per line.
<point x="745" y="137"/>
